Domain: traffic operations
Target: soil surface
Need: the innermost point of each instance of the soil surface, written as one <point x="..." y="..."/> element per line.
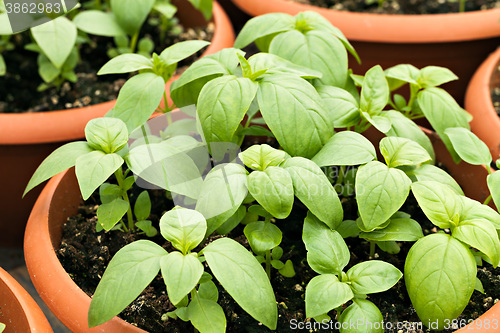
<point x="18" y="88"/>
<point x="85" y="255"/>
<point x="402" y="6"/>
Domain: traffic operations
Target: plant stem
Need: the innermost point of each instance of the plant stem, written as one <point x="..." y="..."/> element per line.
<point x="133" y="42"/>
<point x="488" y="167"/>
<point x="98" y="4"/>
<point x="268" y="264"/>
<point x="413" y="95"/>
<point x="461" y="6"/>
<point x="120" y="178"/>
<point x="488" y="199"/>
<point x="372" y="250"/>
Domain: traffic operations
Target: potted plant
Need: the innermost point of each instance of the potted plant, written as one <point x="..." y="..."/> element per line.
<point x="249" y="195"/>
<point x="19" y="312"/>
<point x="458" y="41"/>
<point x="27" y="138"/>
<point x="478" y="101"/>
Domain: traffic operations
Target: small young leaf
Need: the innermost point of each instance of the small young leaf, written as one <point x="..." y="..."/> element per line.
<point x="109" y="214"/>
<point x="99" y="23"/>
<point x="374" y="92"/>
<point x="493" y="181"/>
<point x="109" y="192"/>
<point x="433" y="173"/>
<point x="399" y="229"/>
<point x="206" y="315"/>
<point x="106" y="134"/>
<point x="479" y="286"/>
<point x="208" y="290"/>
<point x="277" y="253"/>
<point x="380" y="192"/>
<point x="142" y="207"/>
<point x="364" y="312"/>
<point x="263" y="25"/>
<point x="315" y="191"/>
<point x="131" y="14"/>
<point x="402" y="151"/>
<point x="473" y="210"/>
<point x="287" y="270"/>
<point x="403" y="72"/>
<point x="179" y="51"/>
<point x="346" y="148"/>
<point x="181" y="274"/>
<point x="185" y="228"/>
<point x="3" y="66"/>
<point x="325" y="293"/>
<point x="372" y="276"/>
<point x="262" y="236"/>
<point x="348" y="228"/>
<point x="382" y="122"/>
<point x="273" y="190"/>
<point x="204" y="6"/>
<point x="432" y="76"/>
<point x="243" y="278"/>
<point x="130" y="271"/>
<point x="277" y="264"/>
<point x="233" y="221"/>
<point x="259" y="157"/>
<point x="342" y="107"/>
<point x="389" y="246"/>
<point x="125" y="63"/>
<point x="327" y="252"/>
<point x="147" y="227"/>
<point x="440" y="274"/>
<point x="468" y="146"/>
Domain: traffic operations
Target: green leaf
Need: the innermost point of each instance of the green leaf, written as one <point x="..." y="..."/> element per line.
<point x="346" y="148"/>
<point x="184" y="228"/>
<point x="48" y="72"/>
<point x="5" y="26"/>
<point x="181" y="274"/>
<point x="206" y="315"/>
<point x="432" y="76"/>
<point x="403" y="72"/>
<point x="186" y="89"/>
<point x="59" y="160"/>
<point x="442" y="111"/>
<point x="204" y="6"/>
<point x="243" y="278"/>
<point x="374" y="276"/>
<point x="468" y="146"/>
<point x="263" y="25"/>
<point x="147" y="227"/>
<point x="181" y="50"/>
<point x="389" y="246"/>
<point x="382" y="123"/>
<point x="493" y="181"/>
<point x="129" y="272"/>
<point x="3" y="66"/>
<point x="109" y="192"/>
<point x="259" y="157"/>
<point x="315" y="191"/>
<point x="93" y="169"/>
<point x="342" y="107"/>
<point x="273" y="64"/>
<point x="56" y="38"/>
<point x="99" y="23"/>
<point x="221" y="194"/>
<point x="165" y="8"/>
<point x="142" y="207"/>
<point x="138" y="99"/>
<point x="131" y="14"/>
<point x="440" y="274"/>
<point x="399" y="229"/>
<point x="364" y="312"/>
<point x="348" y="228"/>
<point x="222" y="104"/>
<point x="325" y="293"/>
<point x="109" y="135"/>
<point x="126" y="63"/>
<point x="472" y="210"/>
<point x="327" y="252"/>
<point x="285" y="102"/>
<point x="233" y="221"/>
<point x="402" y="151"/>
<point x="438" y="201"/>
<point x="208" y="290"/>
<point x="314" y="49"/>
<point x="480" y="234"/>
<point x="273" y="190"/>
<point x="430" y="172"/>
<point x="380" y="192"/>
<point x="374" y="92"/>
<point x="109" y="214"/>
<point x="288" y="270"/>
<point x="479" y="286"/>
<point x="262" y="236"/>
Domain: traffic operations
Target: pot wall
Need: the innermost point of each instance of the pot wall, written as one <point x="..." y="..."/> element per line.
<point x="486" y="122"/>
<point x="458" y="41"/>
<point x="26" y="139"/>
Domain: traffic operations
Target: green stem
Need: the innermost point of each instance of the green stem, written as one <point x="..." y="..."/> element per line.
<point x="98" y="4"/>
<point x="268" y="264"/>
<point x="120" y="178"/>
<point x="488" y="199"/>
<point x="340" y="178"/>
<point x="462" y="6"/>
<point x="413" y="95"/>
<point x="488" y="167"/>
<point x="133" y="42"/>
<point x="372" y="250"/>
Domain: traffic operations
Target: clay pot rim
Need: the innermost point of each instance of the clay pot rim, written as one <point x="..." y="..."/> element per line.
<point x="67" y="125"/>
<point x="39" y="248"/>
<point x="32" y="314"/>
<point x="370" y="27"/>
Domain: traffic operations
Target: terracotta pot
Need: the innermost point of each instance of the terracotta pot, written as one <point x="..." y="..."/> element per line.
<point x="60" y="199"/>
<point x="18" y="311"/>
<point x="459" y="41"/>
<point x="486" y="122"/>
<point x="26" y="139"/>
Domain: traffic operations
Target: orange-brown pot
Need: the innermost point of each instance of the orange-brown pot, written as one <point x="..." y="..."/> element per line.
<point x="486" y="122"/>
<point x="60" y="199"/>
<point x="26" y="139"/>
<point x="459" y="41"/>
<point x="18" y="311"/>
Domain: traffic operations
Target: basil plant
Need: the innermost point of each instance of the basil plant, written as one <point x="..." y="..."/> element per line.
<point x="298" y="92"/>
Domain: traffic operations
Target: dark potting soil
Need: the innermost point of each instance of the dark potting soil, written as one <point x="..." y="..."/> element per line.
<point x="18" y="88"/>
<point x="85" y="254"/>
<point x="402" y="6"/>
